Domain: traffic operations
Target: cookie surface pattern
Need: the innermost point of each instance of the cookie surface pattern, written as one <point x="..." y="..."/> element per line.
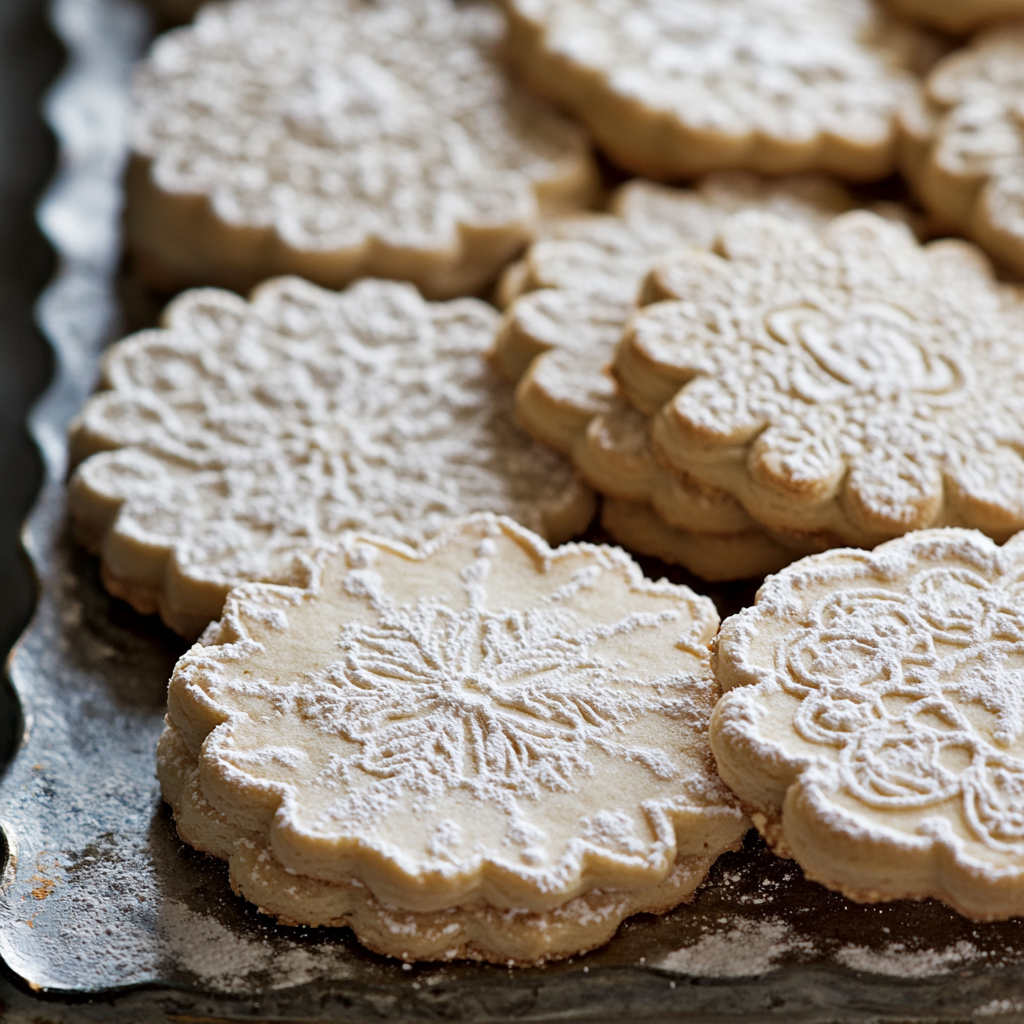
<point x="337" y="139"/>
<point x="675" y="88"/>
<point x="488" y="748"/>
<point x="873" y="723"/>
<point x="241" y="433"/>
<point x="963" y="146"/>
<point x="847" y="385"/>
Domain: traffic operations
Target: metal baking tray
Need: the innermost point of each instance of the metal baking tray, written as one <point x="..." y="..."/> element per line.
<point x="106" y="916"/>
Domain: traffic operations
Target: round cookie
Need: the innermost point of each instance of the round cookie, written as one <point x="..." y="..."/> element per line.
<point x="963" y="143"/>
<point x="338" y="139"/>
<point x="845" y="386"/>
<point x="873" y="724"/>
<point x="676" y="88"/>
<point x="485" y="748"/>
<point x="241" y="433"/>
<point x="957" y="15"/>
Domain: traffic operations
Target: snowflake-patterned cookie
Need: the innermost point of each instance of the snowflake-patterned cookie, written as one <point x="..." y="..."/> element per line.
<point x="337" y="139"/>
<point x="874" y="719"/>
<point x="674" y="88"/>
<point x="963" y="143"/>
<point x="486" y="749"/>
<point x="845" y="386"/>
<point x="569" y="298"/>
<point x="957" y="15"/>
<point x="243" y="432"/>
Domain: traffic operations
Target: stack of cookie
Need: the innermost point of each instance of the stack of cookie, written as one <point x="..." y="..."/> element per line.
<point x="412" y="715"/>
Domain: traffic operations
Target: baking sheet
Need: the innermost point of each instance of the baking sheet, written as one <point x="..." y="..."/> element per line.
<point x="105" y="916"/>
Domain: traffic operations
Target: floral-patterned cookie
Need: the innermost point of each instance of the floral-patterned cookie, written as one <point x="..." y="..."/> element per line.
<point x="845" y="386"/>
<point x="338" y="139"/>
<point x="485" y="749"/>
<point x="963" y="145"/>
<point x="567" y="301"/>
<point x="957" y="15"/>
<point x="675" y="88"/>
<point x="873" y="724"/>
<point x="243" y="432"/>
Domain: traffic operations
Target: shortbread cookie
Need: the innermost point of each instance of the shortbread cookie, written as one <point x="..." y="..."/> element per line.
<point x="845" y="386"/>
<point x="674" y="88"/>
<point x="963" y="144"/>
<point x="874" y="724"/>
<point x="485" y="749"/>
<point x="337" y="139"/>
<point x="569" y="298"/>
<point x="957" y="15"/>
<point x="243" y="432"/>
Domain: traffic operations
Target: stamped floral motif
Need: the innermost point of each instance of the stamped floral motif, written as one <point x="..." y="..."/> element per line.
<point x="871" y="384"/>
<point x="894" y="682"/>
<point x="244" y="433"/>
<point x="377" y="138"/>
<point x="677" y="87"/>
<point x="964" y="141"/>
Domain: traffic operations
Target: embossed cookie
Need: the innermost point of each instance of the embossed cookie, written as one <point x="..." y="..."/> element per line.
<point x="845" y="386"/>
<point x="568" y="300"/>
<point x="675" y="88"/>
<point x="874" y="719"/>
<point x="338" y="139"/>
<point x="486" y="749"/>
<point x="963" y="145"/>
<point x="241" y="433"/>
<point x="957" y="15"/>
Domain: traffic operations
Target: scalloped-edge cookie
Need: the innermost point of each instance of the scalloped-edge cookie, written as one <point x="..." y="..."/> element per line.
<point x="338" y="139"/>
<point x="963" y="142"/>
<point x="957" y="15"/>
<point x="873" y="724"/>
<point x="567" y="301"/>
<point x="485" y="748"/>
<point x="846" y="386"/>
<point x="676" y="88"/>
<point x="227" y="443"/>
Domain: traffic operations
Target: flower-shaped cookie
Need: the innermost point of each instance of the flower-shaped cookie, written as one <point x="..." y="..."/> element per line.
<point x="874" y="719"/>
<point x="672" y="88"/>
<point x="958" y="15"/>
<point x="846" y="386"/>
<point x="242" y="433"/>
<point x="964" y="142"/>
<point x="337" y="139"/>
<point x="499" y="747"/>
<point x="568" y="300"/>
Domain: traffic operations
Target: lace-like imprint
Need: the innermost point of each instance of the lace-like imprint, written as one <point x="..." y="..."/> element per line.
<point x="891" y="686"/>
<point x="488" y="720"/>
<point x="338" y="139"/>
<point x="849" y="385"/>
<point x="679" y="87"/>
<point x="245" y="432"/>
<point x="964" y="143"/>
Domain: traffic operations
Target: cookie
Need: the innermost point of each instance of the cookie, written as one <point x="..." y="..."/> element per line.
<point x="676" y="88"/>
<point x="483" y="749"/>
<point x="845" y="386"/>
<point x="963" y="144"/>
<point x="241" y="433"/>
<point x="957" y="15"/>
<point x="872" y="724"/>
<point x="569" y="298"/>
<point x="338" y="139"/>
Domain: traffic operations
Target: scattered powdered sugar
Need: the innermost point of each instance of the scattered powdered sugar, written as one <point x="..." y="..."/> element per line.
<point x="746" y="949"/>
<point x="897" y="961"/>
<point x="1000" y="1007"/>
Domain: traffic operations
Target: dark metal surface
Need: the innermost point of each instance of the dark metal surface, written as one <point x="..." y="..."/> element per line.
<point x="105" y="916"/>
